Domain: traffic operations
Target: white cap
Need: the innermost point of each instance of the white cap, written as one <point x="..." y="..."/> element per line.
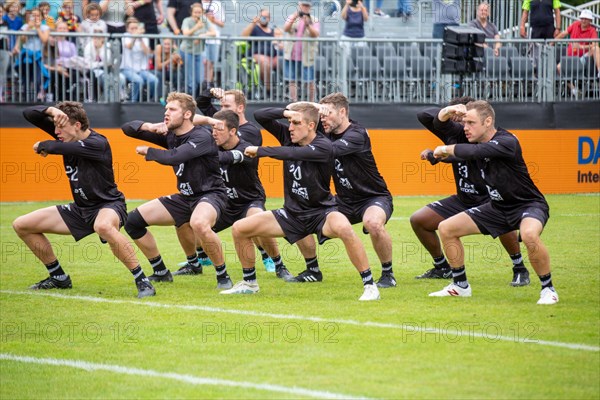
<point x="587" y="14"/>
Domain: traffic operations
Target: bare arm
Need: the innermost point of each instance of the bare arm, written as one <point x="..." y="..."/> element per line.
<point x="524" y="18"/>
<point x="287" y="27"/>
<point x="172" y="20"/>
<point x="248" y="29"/>
<point x="557" y="21"/>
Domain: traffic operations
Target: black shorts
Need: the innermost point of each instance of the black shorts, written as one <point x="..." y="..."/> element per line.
<point x="234" y="213"/>
<point x="298" y="227"/>
<point x="449" y="206"/>
<point x="80" y="221"/>
<point x="181" y="207"/>
<point x="355" y="212"/>
<point x="494" y="222"/>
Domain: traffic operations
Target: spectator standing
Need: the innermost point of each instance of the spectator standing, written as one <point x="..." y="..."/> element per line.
<point x="67" y="15"/>
<point x="263" y="52"/>
<point x="299" y="56"/>
<point x="177" y="11"/>
<point x="47" y="19"/>
<point x="4" y="53"/>
<point x="482" y="23"/>
<point x="31" y="54"/>
<point x="114" y="14"/>
<point x="543" y="17"/>
<point x="135" y="57"/>
<point x="168" y="67"/>
<point x="196" y="28"/>
<point x="13" y="21"/>
<point x="355" y="15"/>
<point x="213" y="9"/>
<point x="99" y="56"/>
<point x="92" y="22"/>
<point x="55" y="6"/>
<point x="445" y="13"/>
<point x="144" y="12"/>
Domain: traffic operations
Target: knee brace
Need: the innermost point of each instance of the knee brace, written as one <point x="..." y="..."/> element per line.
<point x="135" y="225"/>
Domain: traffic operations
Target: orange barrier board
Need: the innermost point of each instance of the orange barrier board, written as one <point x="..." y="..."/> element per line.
<point x="559" y="161"/>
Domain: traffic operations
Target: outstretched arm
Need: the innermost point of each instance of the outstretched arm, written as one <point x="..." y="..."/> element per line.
<point x="153" y="133"/>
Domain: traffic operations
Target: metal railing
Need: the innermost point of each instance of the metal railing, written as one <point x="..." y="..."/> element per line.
<point x="367" y="71"/>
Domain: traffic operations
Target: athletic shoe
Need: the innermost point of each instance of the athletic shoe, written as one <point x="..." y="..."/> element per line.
<point x="452" y="290"/>
<point x="224" y="283"/>
<point x="520" y="278"/>
<point x="189" y="269"/>
<point x="204" y="262"/>
<point x="548" y="296"/>
<point x="52" y="283"/>
<point x="269" y="264"/>
<point x="387" y="280"/>
<point x="242" y="287"/>
<point x="436" y="273"/>
<point x="307" y="276"/>
<point x="284" y="274"/>
<point x="371" y="293"/>
<point x="380" y="13"/>
<point x="145" y="289"/>
<point x="168" y="277"/>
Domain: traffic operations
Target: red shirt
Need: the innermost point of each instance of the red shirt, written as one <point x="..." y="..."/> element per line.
<point x="575" y="32"/>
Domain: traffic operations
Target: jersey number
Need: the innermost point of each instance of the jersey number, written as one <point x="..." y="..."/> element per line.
<point x="72" y="173"/>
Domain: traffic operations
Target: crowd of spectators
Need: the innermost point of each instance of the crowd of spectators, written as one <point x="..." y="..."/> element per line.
<point x="150" y="67"/>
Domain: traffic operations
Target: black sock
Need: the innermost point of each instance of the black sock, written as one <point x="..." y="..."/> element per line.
<point x="221" y="271"/>
<point x="546" y="281"/>
<point x="250" y="275"/>
<point x="278" y="262"/>
<point x="56" y="271"/>
<point x="201" y="253"/>
<point x="517" y="260"/>
<point x="138" y="274"/>
<point x="440" y="262"/>
<point x="459" y="276"/>
<point x="312" y="264"/>
<point x="386" y="268"/>
<point x="193" y="260"/>
<point x="263" y="253"/>
<point x="158" y="265"/>
<point x="367" y="277"/>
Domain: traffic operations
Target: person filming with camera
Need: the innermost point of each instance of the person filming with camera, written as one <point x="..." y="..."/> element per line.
<point x="299" y="56"/>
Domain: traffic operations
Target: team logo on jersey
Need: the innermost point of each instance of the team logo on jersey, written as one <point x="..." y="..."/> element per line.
<point x="345" y="182"/>
<point x="185" y="189"/>
<point x="299" y="190"/>
<point x="494" y="194"/>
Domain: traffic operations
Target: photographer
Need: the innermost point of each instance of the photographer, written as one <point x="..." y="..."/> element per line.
<point x="355" y="14"/>
<point x="299" y="56"/>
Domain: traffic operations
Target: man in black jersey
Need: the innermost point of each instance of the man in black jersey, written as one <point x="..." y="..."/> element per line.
<point x="309" y="206"/>
<point x="246" y="195"/>
<point x="516" y="203"/>
<point x="98" y="204"/>
<point x="194" y="156"/>
<point x="361" y="192"/>
<point x="233" y="100"/>
<point x="470" y="192"/>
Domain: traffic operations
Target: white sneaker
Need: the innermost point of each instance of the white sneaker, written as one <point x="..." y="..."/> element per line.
<point x="452" y="290"/>
<point x="548" y="296"/>
<point x="371" y="293"/>
<point x="242" y="287"/>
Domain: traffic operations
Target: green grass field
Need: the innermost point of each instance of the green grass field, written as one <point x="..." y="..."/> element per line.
<point x="305" y="340"/>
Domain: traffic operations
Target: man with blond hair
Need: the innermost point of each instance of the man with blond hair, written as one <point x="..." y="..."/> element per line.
<point x="193" y="154"/>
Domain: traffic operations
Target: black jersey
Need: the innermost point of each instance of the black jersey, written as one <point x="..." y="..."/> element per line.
<point x="503" y="170"/>
<point x="194" y="157"/>
<point x="356" y="176"/>
<point x="306" y="169"/>
<point x="88" y="162"/>
<point x="248" y="131"/>
<point x="241" y="178"/>
<point x="470" y="188"/>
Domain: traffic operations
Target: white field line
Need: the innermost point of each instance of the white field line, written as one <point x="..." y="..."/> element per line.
<point x="409" y="328"/>
<point x="190" y="379"/>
